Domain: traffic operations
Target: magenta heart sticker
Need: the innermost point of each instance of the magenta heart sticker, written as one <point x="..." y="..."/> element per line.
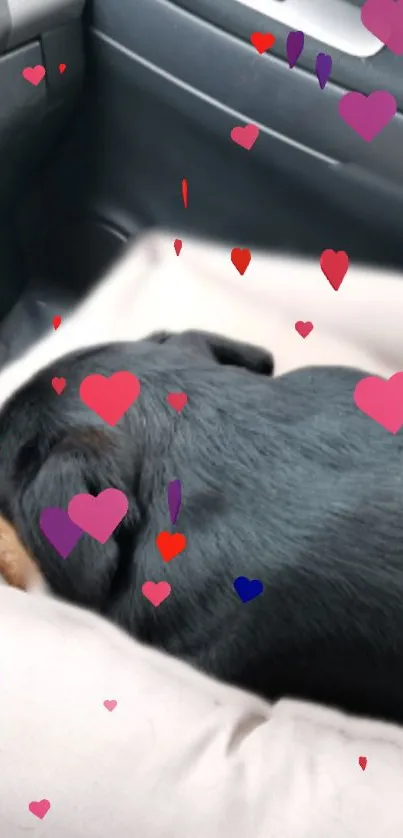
<point x="384" y="18"/>
<point x="59" y="530"/>
<point x="99" y="516"/>
<point x="367" y="115"/>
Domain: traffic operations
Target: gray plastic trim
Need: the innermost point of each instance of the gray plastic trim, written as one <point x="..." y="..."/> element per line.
<point x="30" y="18"/>
<point x="333" y="22"/>
<point x="260" y="89"/>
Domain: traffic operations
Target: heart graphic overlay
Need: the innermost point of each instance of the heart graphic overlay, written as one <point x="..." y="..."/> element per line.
<point x="334" y="265"/>
<point x="110" y="398"/>
<point x="245" y="137"/>
<point x="59" y="530"/>
<point x="382" y="400"/>
<point x="323" y="68"/>
<point x="367" y="115"/>
<point x="156" y="592"/>
<point x="247" y="589"/>
<point x="58" y="384"/>
<point x="177" y="401"/>
<point x="294" y="46"/>
<point x="240" y="258"/>
<point x="262" y="41"/>
<point x="100" y="515"/>
<point x="39" y="808"/>
<point x="384" y="19"/>
<point x="170" y="545"/>
<point x="34" y="74"/>
<point x="304" y="328"/>
<point x="110" y="704"/>
<point x="174" y="493"/>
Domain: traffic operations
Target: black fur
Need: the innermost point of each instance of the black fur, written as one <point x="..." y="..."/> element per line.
<point x="283" y="480"/>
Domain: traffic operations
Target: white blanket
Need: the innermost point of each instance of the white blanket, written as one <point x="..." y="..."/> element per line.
<point x="179" y="756"/>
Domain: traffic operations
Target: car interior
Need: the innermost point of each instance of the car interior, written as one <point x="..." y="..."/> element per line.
<point x="138" y="95"/>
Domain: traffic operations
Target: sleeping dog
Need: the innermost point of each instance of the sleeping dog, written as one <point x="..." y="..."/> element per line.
<point x="283" y="480"/>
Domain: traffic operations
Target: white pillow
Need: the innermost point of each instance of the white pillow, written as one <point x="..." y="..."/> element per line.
<point x="179" y="756"/>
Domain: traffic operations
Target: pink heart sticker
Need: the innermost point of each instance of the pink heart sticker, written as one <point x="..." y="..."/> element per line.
<point x="98" y="516"/>
<point x="156" y="592"/>
<point x="110" y="704"/>
<point x="245" y="136"/>
<point x="34" y="74"/>
<point x="39" y="808"/>
<point x="382" y="400"/>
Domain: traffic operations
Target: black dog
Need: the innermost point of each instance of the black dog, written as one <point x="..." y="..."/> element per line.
<point x="283" y="480"/>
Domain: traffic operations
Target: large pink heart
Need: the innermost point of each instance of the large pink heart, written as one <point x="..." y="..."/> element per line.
<point x="382" y="400"/>
<point x="98" y="516"/>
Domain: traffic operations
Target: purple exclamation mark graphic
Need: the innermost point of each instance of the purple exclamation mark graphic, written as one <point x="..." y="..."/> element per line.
<point x="174" y="499"/>
<point x="295" y="45"/>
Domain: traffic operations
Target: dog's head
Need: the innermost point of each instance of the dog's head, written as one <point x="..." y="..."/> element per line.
<point x="54" y="447"/>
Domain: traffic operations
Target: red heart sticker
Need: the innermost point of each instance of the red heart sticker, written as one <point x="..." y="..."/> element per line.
<point x="170" y="545"/>
<point x="56" y="321"/>
<point x="304" y="328"/>
<point x="34" y="74"/>
<point x="262" y="41"/>
<point x="178" y="246"/>
<point x="240" y="258"/>
<point x="334" y="265"/>
<point x="362" y="762"/>
<point x="62" y="68"/>
<point x="177" y="401"/>
<point x="111" y="397"/>
<point x="58" y="385"/>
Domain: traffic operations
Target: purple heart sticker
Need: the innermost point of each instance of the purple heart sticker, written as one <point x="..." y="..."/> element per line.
<point x="323" y="68"/>
<point x="294" y="47"/>
<point x="59" y="530"/>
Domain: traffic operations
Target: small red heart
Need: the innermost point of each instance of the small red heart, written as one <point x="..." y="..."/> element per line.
<point x="170" y="545"/>
<point x="334" y="265"/>
<point x="178" y="246"/>
<point x="58" y="385"/>
<point x="304" y="328"/>
<point x="110" y="398"/>
<point x="56" y="321"/>
<point x="62" y="68"/>
<point x="177" y="401"/>
<point x="34" y="74"/>
<point x="362" y="762"/>
<point x="110" y="704"/>
<point x="262" y="41"/>
<point x="240" y="258"/>
<point x="39" y="808"/>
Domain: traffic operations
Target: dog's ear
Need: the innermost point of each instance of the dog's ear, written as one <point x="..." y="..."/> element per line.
<point x="86" y="461"/>
<point x="220" y="349"/>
